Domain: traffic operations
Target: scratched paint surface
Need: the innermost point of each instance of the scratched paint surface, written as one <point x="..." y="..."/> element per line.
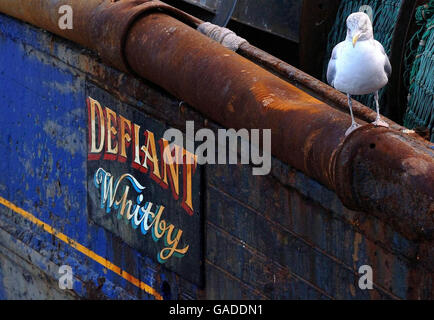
<point x="178" y="248"/>
<point x="43" y="139"/>
<point x="282" y="236"/>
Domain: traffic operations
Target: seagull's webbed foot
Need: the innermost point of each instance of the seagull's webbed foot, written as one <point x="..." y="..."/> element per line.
<point x="380" y="123"/>
<point x="353" y="127"/>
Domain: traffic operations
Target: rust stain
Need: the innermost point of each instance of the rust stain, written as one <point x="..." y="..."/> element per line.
<point x="94" y="291"/>
<point x="158" y="46"/>
<point x="356" y="243"/>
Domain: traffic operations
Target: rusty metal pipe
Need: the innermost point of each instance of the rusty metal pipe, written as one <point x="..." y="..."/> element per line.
<point x="45" y="14"/>
<point x="306" y="133"/>
<point x="100" y="25"/>
<point x="315" y="87"/>
<point x="305" y="81"/>
<point x="383" y="172"/>
<point x="188" y="65"/>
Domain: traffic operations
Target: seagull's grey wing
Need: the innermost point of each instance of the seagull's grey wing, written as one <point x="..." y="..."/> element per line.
<point x="331" y="69"/>
<point x="387" y="66"/>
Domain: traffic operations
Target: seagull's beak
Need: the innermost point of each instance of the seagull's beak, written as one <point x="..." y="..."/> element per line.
<point x="355" y="38"/>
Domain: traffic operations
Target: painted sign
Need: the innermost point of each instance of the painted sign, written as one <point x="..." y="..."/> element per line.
<point x="137" y="190"/>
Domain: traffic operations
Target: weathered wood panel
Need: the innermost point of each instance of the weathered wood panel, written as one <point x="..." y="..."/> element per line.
<point x="281" y="236"/>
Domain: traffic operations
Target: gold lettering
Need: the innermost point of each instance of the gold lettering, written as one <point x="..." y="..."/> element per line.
<point x="94" y="148"/>
<point x="111" y="131"/>
<point x="136" y="145"/>
<point x="172" y="244"/>
<point x="170" y="162"/>
<point x="189" y="167"/>
<point x="159" y="225"/>
<point x="124" y="137"/>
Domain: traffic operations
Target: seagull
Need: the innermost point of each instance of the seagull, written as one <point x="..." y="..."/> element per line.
<point x="359" y="65"/>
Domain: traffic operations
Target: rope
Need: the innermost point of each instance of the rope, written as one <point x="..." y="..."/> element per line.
<point x="419" y="65"/>
<point x="384" y="15"/>
<point x="222" y="35"/>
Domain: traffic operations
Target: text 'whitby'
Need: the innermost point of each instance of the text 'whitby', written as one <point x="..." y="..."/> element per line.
<point x="115" y="195"/>
<point x="113" y="137"/>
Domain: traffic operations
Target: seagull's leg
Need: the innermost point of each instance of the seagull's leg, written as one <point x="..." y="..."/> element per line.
<point x="354" y="124"/>
<point x="378" y="121"/>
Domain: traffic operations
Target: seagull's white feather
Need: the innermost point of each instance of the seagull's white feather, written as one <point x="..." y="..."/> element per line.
<point x="331" y="69"/>
<point x="359" y="65"/>
<point x="360" y="69"/>
<point x="387" y="66"/>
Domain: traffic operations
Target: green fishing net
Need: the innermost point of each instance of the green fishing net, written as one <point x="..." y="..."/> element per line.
<point x="419" y="65"/>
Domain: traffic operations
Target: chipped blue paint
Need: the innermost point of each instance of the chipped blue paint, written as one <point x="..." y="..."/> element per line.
<point x="285" y="226"/>
<point x="43" y="147"/>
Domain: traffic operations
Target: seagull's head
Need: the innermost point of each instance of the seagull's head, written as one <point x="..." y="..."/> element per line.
<point x="359" y="27"/>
